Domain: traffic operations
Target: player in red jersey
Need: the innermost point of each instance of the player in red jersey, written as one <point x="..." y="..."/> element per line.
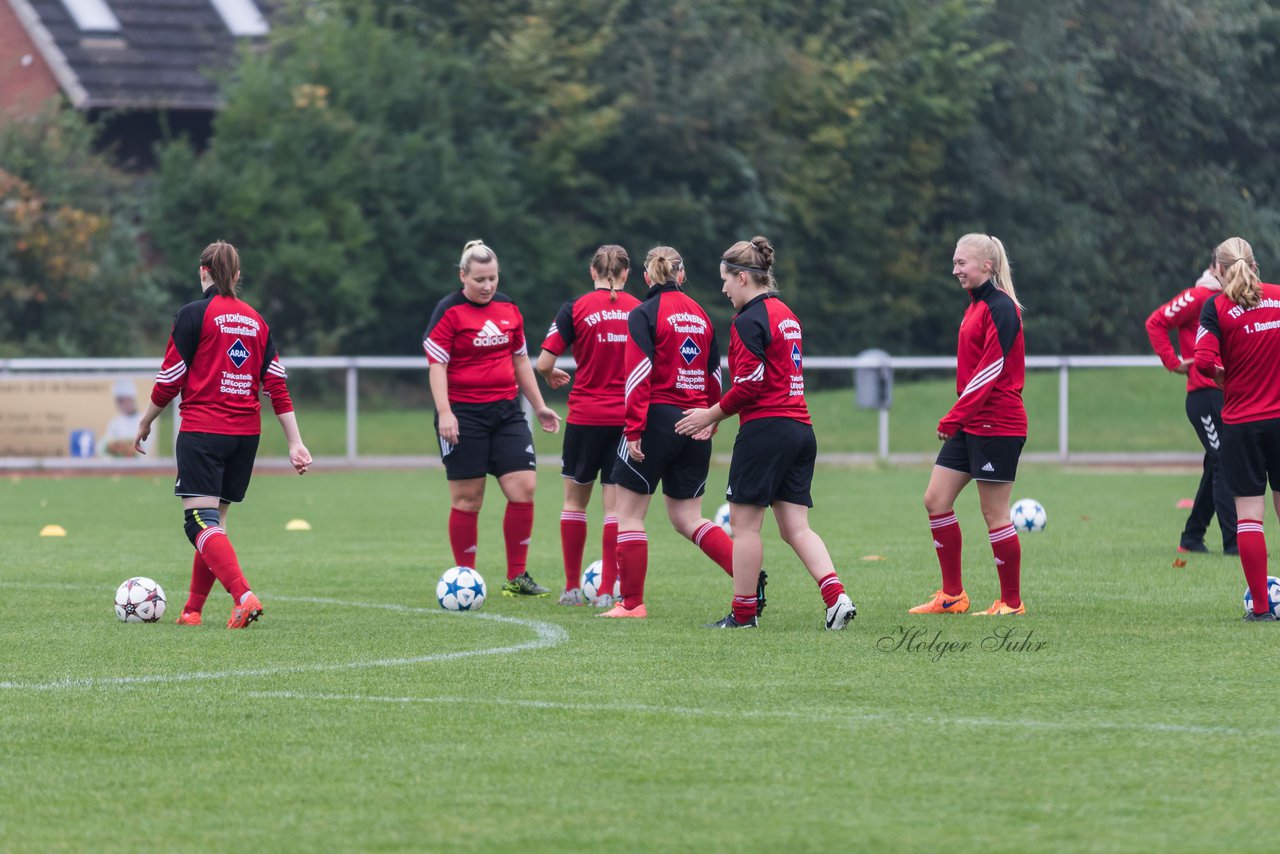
<point x="1204" y="411"/>
<point x="985" y="429"/>
<point x="672" y="364"/>
<point x="774" y="453"/>
<point x="595" y="326"/>
<point x="220" y="355"/>
<point x="1238" y="344"/>
<point x="478" y="360"/>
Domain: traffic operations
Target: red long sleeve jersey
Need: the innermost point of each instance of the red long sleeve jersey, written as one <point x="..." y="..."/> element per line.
<point x="478" y="343"/>
<point x="1182" y="313"/>
<point x="672" y="356"/>
<point x="990" y="368"/>
<point x="1246" y="342"/>
<point x="766" y="362"/>
<point x="595" y="326"/>
<point x="220" y="355"/>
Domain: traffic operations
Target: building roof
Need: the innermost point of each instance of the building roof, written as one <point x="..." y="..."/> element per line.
<point x="164" y="54"/>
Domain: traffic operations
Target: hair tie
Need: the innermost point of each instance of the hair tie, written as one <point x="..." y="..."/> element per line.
<point x="759" y="270"/>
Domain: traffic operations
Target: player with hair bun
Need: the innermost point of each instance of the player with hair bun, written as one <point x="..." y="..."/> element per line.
<point x="672" y="364"/>
<point x="985" y="429"/>
<point x="220" y="356"/>
<point x="594" y="325"/>
<point x="1238" y="345"/>
<point x="1204" y="411"/>
<point x="775" y="451"/>
<point x="478" y="361"/>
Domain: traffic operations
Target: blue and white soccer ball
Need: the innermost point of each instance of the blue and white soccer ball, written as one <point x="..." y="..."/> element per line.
<point x="139" y="600"/>
<point x="1273" y="594"/>
<point x="591" y="578"/>
<point x="1027" y="515"/>
<point x="460" y="589"/>
<point x="722" y="519"/>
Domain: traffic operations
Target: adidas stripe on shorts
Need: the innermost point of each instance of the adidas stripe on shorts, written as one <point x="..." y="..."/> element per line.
<point x="493" y="438"/>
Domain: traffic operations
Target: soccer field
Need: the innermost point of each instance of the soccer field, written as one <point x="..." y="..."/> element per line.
<point x="1130" y="710"/>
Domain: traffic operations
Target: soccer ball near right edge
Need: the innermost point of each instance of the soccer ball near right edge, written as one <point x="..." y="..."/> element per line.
<point x="1027" y="515"/>
<point x="1273" y="594"/>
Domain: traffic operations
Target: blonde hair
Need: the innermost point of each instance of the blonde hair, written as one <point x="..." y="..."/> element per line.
<point x="755" y="258"/>
<point x="1240" y="272"/>
<point x="475" y="252"/>
<point x="662" y="264"/>
<point x="609" y="263"/>
<point x="991" y="249"/>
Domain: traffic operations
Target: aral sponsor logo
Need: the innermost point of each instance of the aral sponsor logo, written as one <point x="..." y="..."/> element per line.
<point x="238" y="353"/>
<point x="491" y="336"/>
<point x="689" y="351"/>
<point x="796" y="359"/>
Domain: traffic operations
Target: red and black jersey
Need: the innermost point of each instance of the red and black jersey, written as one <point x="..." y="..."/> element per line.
<point x="595" y="326"/>
<point x="672" y="356"/>
<point x="1246" y="342"/>
<point x="220" y="355"/>
<point x="766" y="362"/>
<point x="1182" y="313"/>
<point x="990" y="367"/>
<point x="478" y="343"/>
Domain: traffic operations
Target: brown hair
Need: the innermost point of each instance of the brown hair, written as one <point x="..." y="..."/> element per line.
<point x="662" y="264"/>
<point x="223" y="263"/>
<point x="1239" y="272"/>
<point x="755" y="258"/>
<point x="475" y="252"/>
<point x="991" y="249"/>
<point x="609" y="263"/>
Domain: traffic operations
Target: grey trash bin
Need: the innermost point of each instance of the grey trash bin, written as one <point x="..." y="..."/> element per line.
<point x="874" y="386"/>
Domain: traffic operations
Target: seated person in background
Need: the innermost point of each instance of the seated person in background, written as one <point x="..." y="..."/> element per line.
<point x="118" y="437"/>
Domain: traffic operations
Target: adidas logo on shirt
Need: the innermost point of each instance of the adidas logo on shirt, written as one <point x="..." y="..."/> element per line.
<point x="988" y="467"/>
<point x="491" y="336"/>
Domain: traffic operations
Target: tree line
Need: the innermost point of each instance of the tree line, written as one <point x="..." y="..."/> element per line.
<point x="1110" y="145"/>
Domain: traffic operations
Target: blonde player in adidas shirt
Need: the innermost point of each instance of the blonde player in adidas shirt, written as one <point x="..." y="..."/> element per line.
<point x="985" y="429"/>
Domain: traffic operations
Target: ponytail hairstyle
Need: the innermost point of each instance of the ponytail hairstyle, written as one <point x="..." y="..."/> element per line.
<point x="223" y="263"/>
<point x="611" y="263"/>
<point x="475" y="252"/>
<point x="662" y="264"/>
<point x="1239" y="275"/>
<point x="991" y="249"/>
<point x="755" y="258"/>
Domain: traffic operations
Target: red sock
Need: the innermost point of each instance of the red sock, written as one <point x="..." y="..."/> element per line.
<point x="744" y="608"/>
<point x="831" y="588"/>
<point x="1253" y="557"/>
<point x="633" y="565"/>
<point x="463" y="534"/>
<point x="573" y="539"/>
<point x="1007" y="549"/>
<point x="221" y="559"/>
<point x="946" y="539"/>
<point x="609" y="554"/>
<point x="715" y="544"/>
<point x="202" y="579"/>
<point x="517" y="528"/>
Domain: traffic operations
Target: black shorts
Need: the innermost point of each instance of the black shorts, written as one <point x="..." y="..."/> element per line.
<point x="214" y="465"/>
<point x="1251" y="457"/>
<point x="772" y="461"/>
<point x="679" y="462"/>
<point x="993" y="458"/>
<point x="493" y="438"/>
<point x="590" y="450"/>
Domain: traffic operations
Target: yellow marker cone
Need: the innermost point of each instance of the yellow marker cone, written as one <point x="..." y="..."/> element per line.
<point x="53" y="531"/>
<point x="298" y="525"/>
<point x="873" y="557"/>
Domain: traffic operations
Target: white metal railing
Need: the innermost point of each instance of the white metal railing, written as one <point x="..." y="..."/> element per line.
<point x="353" y="365"/>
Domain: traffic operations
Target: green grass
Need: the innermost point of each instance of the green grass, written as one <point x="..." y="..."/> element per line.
<point x="1141" y="724"/>
<point x="1112" y="409"/>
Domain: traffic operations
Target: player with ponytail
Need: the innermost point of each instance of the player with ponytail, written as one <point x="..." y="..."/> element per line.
<point x="220" y="356"/>
<point x="985" y="429"/>
<point x="775" y="451"/>
<point x="594" y="325"/>
<point x="1238" y="346"/>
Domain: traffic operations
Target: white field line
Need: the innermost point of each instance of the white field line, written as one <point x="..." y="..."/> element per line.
<point x="547" y="635"/>
<point x="827" y="716"/>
